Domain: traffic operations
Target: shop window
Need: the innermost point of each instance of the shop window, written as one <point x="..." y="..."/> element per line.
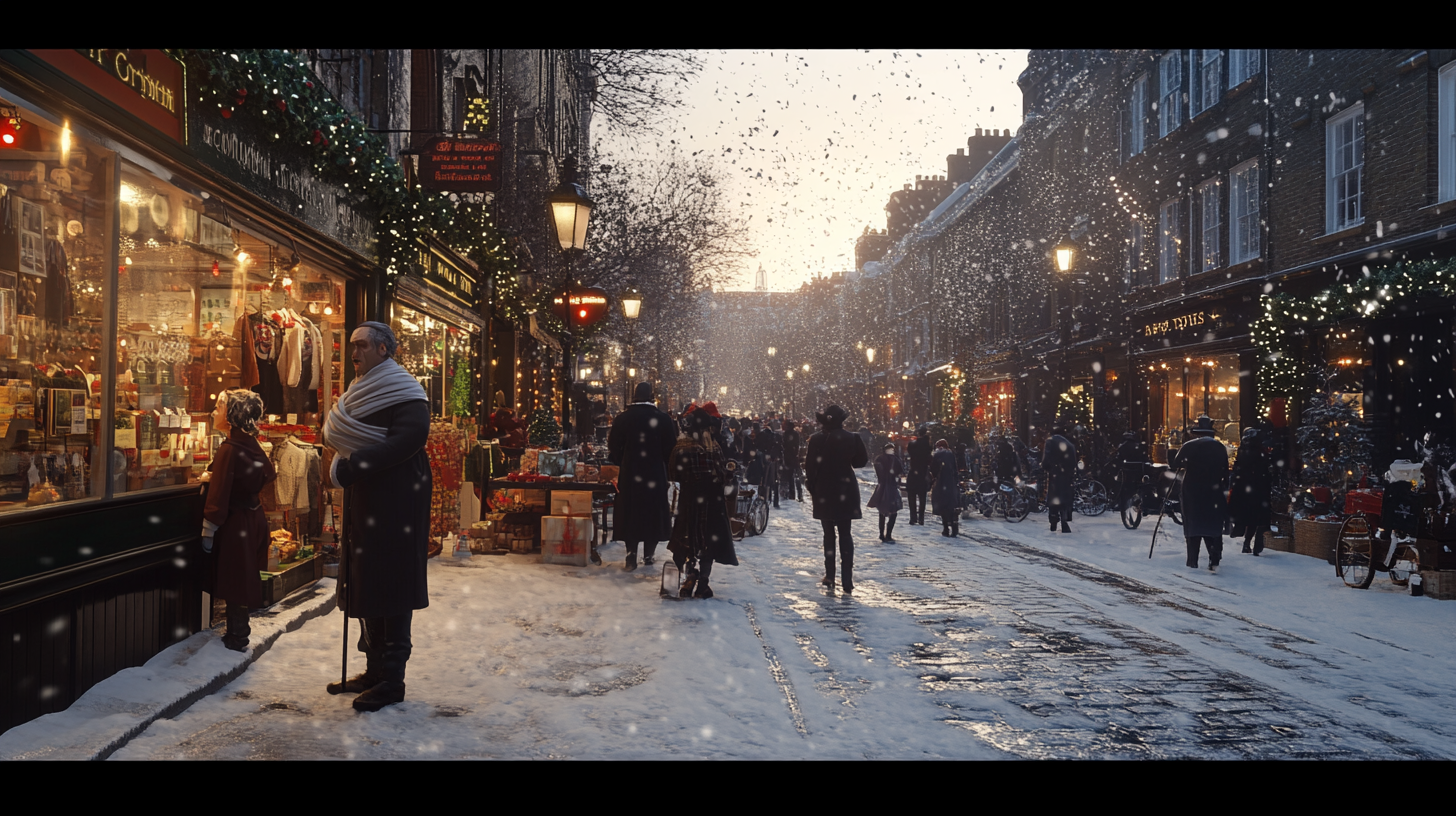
<point x="438" y="354"/>
<point x="1187" y="387"/>
<point x="203" y="307"/>
<point x="55" y="240"/>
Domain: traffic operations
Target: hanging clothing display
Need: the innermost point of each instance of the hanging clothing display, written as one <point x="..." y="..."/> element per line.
<point x="294" y="461"/>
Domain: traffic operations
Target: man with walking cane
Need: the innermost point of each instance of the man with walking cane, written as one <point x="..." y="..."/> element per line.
<point x="378" y="429"/>
<point x="1204" y="461"/>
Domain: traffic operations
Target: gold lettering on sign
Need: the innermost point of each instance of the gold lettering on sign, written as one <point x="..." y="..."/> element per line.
<point x="1179" y="323"/>
<point x="146" y="85"/>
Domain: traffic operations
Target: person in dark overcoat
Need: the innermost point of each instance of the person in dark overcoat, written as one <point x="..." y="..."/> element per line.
<point x="1005" y="465"/>
<point x="234" y="527"/>
<point x="770" y="447"/>
<point x="701" y="535"/>
<point x="1204" y="462"/>
<point x="1059" y="462"/>
<point x="886" y="497"/>
<point x="945" y="497"/>
<point x="793" y="460"/>
<point x="1249" y="492"/>
<point x="917" y="480"/>
<point x="1131" y="457"/>
<point x="833" y="455"/>
<point x="640" y="443"/>
<point x="379" y="429"/>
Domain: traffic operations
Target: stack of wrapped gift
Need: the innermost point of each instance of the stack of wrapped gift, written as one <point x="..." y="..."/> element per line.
<point x="566" y="535"/>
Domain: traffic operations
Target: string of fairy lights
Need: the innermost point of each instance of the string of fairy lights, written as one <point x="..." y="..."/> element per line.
<point x="1286" y="318"/>
<point x="274" y="93"/>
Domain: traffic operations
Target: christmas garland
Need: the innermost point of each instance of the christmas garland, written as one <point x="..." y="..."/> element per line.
<point x="275" y="92"/>
<point x="1286" y="318"/>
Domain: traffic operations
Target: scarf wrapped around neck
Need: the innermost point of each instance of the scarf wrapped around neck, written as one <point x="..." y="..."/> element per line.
<point x="385" y="385"/>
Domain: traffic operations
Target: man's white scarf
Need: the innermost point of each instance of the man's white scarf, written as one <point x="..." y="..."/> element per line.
<point x="386" y="384"/>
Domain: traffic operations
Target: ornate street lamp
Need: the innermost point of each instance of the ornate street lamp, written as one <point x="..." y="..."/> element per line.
<point x="1066" y="252"/>
<point x="570" y="212"/>
<point x="631" y="310"/>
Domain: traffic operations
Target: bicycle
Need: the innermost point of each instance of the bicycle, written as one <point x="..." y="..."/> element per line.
<point x="1090" y="497"/>
<point x="1357" y="557"/>
<point x="1146" y="499"/>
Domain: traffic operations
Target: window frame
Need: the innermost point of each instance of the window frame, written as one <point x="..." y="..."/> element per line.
<point x="1133" y="258"/>
<point x="1245" y="242"/>
<point x="1337" y="190"/>
<point x="1170" y="96"/>
<point x="1205" y="86"/>
<point x="1446" y="133"/>
<point x="1210" y="231"/>
<point x="1169" y="240"/>
<point x="1244" y="64"/>
<point x="1137" y="105"/>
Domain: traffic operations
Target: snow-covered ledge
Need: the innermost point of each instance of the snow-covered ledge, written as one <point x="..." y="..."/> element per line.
<point x="118" y="708"/>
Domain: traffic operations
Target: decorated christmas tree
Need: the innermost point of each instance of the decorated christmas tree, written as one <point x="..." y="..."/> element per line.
<point x="543" y="429"/>
<point x="1334" y="443"/>
<point x="460" y="402"/>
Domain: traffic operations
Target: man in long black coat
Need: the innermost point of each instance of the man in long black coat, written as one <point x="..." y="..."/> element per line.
<point x="640" y="443"/>
<point x="917" y="479"/>
<point x="386" y="520"/>
<point x="1204" y="462"/>
<point x="1059" y="462"/>
<point x="792" y="459"/>
<point x="833" y="455"/>
<point x="771" y="448"/>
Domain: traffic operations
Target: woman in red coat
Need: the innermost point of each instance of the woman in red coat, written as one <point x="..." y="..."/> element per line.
<point x="234" y="527"/>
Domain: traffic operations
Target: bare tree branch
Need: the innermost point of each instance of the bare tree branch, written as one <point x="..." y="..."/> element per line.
<point x="633" y="88"/>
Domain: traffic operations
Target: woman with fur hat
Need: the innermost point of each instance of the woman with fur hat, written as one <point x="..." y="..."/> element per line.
<point x="701" y="535"/>
<point x="833" y="455"/>
<point x="234" y="527"/>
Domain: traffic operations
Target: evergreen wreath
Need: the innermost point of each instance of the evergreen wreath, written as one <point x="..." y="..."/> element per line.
<point x="1287" y="319"/>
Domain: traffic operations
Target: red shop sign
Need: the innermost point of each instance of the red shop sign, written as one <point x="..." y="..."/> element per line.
<point x="144" y="82"/>
<point x="460" y="166"/>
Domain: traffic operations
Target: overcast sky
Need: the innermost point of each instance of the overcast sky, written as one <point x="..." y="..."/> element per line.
<point x="814" y="142"/>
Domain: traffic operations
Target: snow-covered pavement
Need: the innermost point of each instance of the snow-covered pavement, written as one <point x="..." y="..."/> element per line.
<point x="1007" y="642"/>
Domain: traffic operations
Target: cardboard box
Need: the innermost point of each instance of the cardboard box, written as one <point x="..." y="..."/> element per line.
<point x="571" y="503"/>
<point x="565" y="540"/>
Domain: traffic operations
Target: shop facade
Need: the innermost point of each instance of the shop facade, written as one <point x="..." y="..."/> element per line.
<point x="154" y="254"/>
<point x="1187" y="359"/>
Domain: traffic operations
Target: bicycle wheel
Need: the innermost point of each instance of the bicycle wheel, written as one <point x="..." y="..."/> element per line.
<point x="1091" y="498"/>
<point x="1407" y="563"/>
<point x="1018" y="506"/>
<point x="1132" y="511"/>
<point x="758" y="516"/>
<point x="1353" y="552"/>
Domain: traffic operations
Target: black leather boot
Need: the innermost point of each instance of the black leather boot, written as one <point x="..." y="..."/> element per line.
<point x="392" y="637"/>
<point x="882" y="528"/>
<point x="890" y="529"/>
<point x="238" y="628"/>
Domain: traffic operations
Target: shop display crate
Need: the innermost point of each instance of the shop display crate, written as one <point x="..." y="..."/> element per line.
<point x="290" y="577"/>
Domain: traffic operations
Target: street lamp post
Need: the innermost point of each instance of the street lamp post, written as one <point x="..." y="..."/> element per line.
<point x="570" y="212"/>
<point x="631" y="310"/>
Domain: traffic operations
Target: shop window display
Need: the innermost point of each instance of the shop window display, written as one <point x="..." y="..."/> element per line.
<point x="1185" y="388"/>
<point x="203" y="307"/>
<point x="54" y="244"/>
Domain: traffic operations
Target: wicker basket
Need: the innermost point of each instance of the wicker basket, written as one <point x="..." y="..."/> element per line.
<point x="1439" y="584"/>
<point x="1316" y="538"/>
<point x="1279" y="543"/>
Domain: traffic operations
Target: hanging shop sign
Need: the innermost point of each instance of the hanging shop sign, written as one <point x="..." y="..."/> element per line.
<point x="449" y="272"/>
<point x="144" y="82"/>
<point x="588" y="306"/>
<point x="460" y="166"/>
<point x="237" y="152"/>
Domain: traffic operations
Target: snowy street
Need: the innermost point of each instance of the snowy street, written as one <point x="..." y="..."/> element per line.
<point x="1010" y="642"/>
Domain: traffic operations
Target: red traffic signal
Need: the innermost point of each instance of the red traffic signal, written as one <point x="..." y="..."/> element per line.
<point x="589" y="305"/>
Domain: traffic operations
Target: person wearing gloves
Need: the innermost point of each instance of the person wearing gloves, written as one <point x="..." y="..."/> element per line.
<point x="378" y="429"/>
<point x="234" y="527"/>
